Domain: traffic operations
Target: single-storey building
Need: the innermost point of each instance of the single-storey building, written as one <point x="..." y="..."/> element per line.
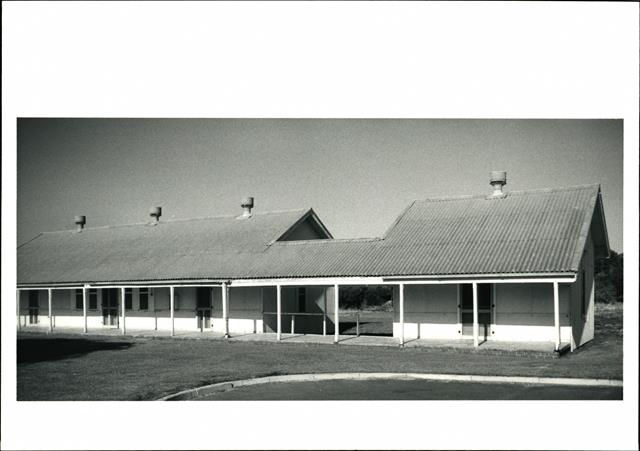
<point x="509" y="266"/>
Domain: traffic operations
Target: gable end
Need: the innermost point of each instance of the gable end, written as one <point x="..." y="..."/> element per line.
<point x="308" y="227"/>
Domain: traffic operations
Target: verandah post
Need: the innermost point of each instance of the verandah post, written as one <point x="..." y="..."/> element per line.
<point x="171" y="302"/>
<point x="324" y="313"/>
<point x="50" y="293"/>
<point x="18" y="308"/>
<point x="124" y="308"/>
<point x="475" y="314"/>
<point x="336" y="306"/>
<point x="556" y="314"/>
<point x="278" y="312"/>
<point x="401" y="314"/>
<point x="84" y="307"/>
<point x="225" y="308"/>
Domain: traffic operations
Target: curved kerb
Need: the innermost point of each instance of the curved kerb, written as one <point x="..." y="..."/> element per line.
<point x="230" y="385"/>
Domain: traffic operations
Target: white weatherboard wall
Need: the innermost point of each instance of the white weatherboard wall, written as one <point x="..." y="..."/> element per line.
<point x="184" y="309"/>
<point x="524" y="312"/>
<point x="245" y="310"/>
<point x="142" y="319"/>
<point x="583" y="321"/>
<point x="64" y="312"/>
<point x="430" y="311"/>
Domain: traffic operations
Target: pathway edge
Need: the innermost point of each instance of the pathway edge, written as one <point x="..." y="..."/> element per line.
<point x="230" y="385"/>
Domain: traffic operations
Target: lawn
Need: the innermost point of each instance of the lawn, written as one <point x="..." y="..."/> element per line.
<point x="74" y="367"/>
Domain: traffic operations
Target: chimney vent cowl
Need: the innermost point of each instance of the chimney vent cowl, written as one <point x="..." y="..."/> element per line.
<point x="247" y="205"/>
<point x="155" y="213"/>
<point x="80" y="221"/>
<point x="497" y="181"/>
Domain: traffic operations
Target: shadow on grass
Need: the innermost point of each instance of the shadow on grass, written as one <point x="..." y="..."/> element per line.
<point x="46" y="349"/>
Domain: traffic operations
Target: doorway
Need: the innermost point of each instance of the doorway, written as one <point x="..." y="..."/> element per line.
<point x="34" y="306"/>
<point x="203" y="307"/>
<point x="110" y="307"/>
<point x="485" y="310"/>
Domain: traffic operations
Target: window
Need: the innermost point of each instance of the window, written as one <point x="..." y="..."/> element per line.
<point x="128" y="299"/>
<point x="583" y="303"/>
<point x="79" y="301"/>
<point x="302" y="299"/>
<point x="93" y="299"/>
<point x="144" y="298"/>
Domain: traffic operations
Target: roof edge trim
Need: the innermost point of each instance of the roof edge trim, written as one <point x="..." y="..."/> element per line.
<point x="584" y="232"/>
<point x="398" y="219"/>
<point x="132" y="283"/>
<point x="505" y="276"/>
<point x="600" y="206"/>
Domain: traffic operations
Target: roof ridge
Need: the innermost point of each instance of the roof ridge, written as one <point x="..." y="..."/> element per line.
<point x="509" y="193"/>
<point x="197" y="218"/>
<point x="28" y="241"/>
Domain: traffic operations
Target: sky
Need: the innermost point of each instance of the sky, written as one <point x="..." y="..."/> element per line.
<point x="357" y="174"/>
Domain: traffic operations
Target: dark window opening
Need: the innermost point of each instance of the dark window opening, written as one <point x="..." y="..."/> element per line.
<point x="79" y="300"/>
<point x="128" y="299"/>
<point x="93" y="299"/>
<point x="484" y="296"/>
<point x="143" y="299"/>
<point x="302" y="299"/>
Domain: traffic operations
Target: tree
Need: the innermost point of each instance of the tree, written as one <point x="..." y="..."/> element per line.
<point x="608" y="278"/>
<point x="364" y="297"/>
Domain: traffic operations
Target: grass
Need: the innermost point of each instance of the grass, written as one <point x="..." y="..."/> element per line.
<point x="125" y="368"/>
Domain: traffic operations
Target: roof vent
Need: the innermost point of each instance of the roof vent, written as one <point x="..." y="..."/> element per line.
<point x="155" y="213"/>
<point x="498" y="180"/>
<point x="247" y="205"/>
<point x="80" y="221"/>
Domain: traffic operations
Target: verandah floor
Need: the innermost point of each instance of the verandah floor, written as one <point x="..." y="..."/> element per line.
<point x="350" y="340"/>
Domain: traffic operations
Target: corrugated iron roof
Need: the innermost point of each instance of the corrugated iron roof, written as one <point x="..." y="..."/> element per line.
<point x="527" y="232"/>
<point x="181" y="249"/>
<point x="542" y="231"/>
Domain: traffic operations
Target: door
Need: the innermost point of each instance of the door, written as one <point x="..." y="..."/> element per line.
<point x="110" y="307"/>
<point x="203" y="307"/>
<point x="485" y="306"/>
<point x="34" y="306"/>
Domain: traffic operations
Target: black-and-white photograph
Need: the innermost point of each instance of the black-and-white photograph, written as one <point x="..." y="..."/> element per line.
<point x="477" y="260"/>
<point x="320" y="225"/>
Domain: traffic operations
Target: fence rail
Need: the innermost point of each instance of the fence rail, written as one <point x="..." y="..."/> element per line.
<point x="341" y="313"/>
